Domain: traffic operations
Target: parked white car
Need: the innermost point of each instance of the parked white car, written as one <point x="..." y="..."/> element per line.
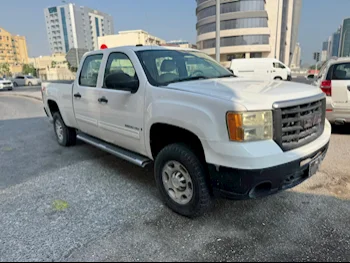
<point x="26" y="81"/>
<point x="206" y="131"/>
<point x="334" y="81"/>
<point x="6" y="84"/>
<point x="261" y="69"/>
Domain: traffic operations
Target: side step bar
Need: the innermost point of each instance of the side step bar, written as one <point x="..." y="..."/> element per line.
<point x="132" y="157"/>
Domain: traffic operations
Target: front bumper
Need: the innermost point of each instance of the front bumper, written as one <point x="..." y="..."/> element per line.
<point x="241" y="184"/>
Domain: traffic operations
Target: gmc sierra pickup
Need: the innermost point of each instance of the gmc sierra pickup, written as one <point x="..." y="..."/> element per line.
<point x="207" y="132"/>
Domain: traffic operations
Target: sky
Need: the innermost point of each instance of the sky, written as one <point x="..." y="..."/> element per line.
<point x="167" y="19"/>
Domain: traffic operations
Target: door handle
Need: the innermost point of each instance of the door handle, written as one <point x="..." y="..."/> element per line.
<point x="77" y="95"/>
<point x="103" y="100"/>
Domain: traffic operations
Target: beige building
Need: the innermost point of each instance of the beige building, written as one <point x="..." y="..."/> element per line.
<point x="130" y="38"/>
<point x="296" y="57"/>
<point x="13" y="50"/>
<point x="181" y="44"/>
<point x="250" y="28"/>
<point x="53" y="67"/>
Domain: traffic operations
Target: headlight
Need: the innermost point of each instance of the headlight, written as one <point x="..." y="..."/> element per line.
<point x="250" y="126"/>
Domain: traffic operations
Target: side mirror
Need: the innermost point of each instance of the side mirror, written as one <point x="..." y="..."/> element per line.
<point x="311" y="77"/>
<point x="122" y="81"/>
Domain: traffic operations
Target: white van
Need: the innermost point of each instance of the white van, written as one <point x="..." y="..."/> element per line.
<point x="261" y="69"/>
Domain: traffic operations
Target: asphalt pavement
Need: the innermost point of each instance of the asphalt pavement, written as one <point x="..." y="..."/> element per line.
<point x="81" y="204"/>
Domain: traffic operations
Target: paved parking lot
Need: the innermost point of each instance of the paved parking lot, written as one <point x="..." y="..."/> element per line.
<point x="81" y="204"/>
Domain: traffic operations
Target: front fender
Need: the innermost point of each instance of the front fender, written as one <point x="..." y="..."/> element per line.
<point x="203" y="116"/>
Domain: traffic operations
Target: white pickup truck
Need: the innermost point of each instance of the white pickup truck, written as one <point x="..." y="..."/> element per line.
<point x="207" y="132"/>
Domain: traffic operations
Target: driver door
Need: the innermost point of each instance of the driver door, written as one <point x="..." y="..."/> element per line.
<point x="122" y="112"/>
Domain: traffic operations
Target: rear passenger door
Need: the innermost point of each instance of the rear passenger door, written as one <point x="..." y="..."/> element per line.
<point x="340" y="75"/>
<point x="86" y="95"/>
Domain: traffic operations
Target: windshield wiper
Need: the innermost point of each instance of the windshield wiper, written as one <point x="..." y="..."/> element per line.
<point x="187" y="79"/>
<point x="227" y="76"/>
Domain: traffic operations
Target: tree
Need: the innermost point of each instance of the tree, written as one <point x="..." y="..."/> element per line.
<point x="28" y="69"/>
<point x="72" y="69"/>
<point x="5" y="69"/>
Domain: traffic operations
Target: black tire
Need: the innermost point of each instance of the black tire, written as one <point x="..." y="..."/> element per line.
<point x="30" y="84"/>
<point x="15" y="84"/>
<point x="278" y="78"/>
<point x="69" y="135"/>
<point x="201" y="199"/>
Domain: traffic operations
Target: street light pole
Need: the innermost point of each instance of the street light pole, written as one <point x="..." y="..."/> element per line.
<point x="278" y="17"/>
<point x="218" y="21"/>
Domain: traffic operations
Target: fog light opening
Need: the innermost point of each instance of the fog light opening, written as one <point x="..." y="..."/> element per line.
<point x="261" y="190"/>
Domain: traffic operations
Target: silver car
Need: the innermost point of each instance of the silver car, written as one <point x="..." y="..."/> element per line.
<point x="26" y="81"/>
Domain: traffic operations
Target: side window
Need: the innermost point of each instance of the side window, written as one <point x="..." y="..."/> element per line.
<point x="89" y="73"/>
<point x="341" y="72"/>
<point x="278" y="65"/>
<point x="119" y="70"/>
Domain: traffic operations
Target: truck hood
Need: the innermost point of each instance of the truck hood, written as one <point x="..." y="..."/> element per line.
<point x="254" y="95"/>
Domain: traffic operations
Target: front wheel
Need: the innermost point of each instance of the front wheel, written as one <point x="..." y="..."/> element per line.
<point x="182" y="180"/>
<point x="15" y="84"/>
<point x="30" y="84"/>
<point x="65" y="136"/>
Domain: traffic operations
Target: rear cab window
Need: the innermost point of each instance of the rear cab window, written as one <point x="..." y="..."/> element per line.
<point x="90" y="71"/>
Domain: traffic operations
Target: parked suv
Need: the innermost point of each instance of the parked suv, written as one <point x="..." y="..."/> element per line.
<point x="334" y="81"/>
<point x="26" y="81"/>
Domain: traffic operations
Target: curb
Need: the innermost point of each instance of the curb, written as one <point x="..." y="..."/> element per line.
<point x="22" y="95"/>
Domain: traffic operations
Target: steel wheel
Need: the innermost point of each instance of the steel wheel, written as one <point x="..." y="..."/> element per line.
<point x="59" y="130"/>
<point x="177" y="182"/>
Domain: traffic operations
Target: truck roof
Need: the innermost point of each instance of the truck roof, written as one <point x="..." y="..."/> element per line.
<point x="139" y="48"/>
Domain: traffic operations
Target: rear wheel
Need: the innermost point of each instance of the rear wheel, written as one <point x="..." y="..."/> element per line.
<point x="15" y="84"/>
<point x="30" y="84"/>
<point x="182" y="180"/>
<point x="65" y="136"/>
<point x="278" y="78"/>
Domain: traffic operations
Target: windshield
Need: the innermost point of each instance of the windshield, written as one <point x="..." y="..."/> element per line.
<point x="1" y="79"/>
<point x="30" y="77"/>
<point x="163" y="67"/>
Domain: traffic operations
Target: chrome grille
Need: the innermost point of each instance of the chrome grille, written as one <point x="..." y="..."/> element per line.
<point x="298" y="125"/>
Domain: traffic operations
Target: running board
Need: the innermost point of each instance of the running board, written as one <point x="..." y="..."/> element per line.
<point x="132" y="157"/>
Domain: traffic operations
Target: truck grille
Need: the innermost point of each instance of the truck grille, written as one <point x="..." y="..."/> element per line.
<point x="300" y="124"/>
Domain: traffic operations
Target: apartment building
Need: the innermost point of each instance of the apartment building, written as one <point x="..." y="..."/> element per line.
<point x="13" y="50"/>
<point x="70" y="26"/>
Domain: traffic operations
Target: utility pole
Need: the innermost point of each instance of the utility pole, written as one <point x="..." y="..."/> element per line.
<point x="218" y="22"/>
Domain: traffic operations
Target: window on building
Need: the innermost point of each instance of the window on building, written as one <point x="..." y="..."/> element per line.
<point x="235" y="56"/>
<point x="256" y="55"/>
